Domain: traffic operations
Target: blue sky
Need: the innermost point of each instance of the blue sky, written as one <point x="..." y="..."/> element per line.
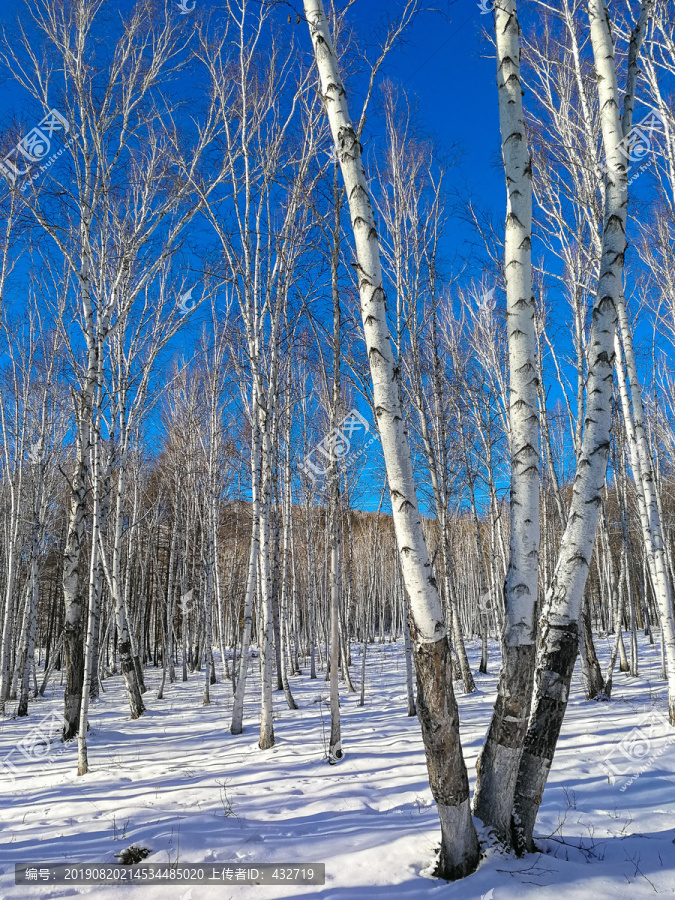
<point x="438" y="51"/>
<point x="445" y="60"/>
<point x="449" y="65"/>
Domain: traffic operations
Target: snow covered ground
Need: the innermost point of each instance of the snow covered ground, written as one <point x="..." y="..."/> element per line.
<point x="176" y="781"/>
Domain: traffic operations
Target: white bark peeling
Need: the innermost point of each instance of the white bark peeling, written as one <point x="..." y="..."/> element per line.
<point x="567" y="588"/>
<point x="425" y="605"/>
<point x="498" y="770"/>
<point x="521" y="578"/>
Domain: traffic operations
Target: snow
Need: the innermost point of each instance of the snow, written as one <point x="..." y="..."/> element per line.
<point x="178" y="782"/>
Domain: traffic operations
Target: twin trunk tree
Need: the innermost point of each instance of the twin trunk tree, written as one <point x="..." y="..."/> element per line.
<point x="558" y="643"/>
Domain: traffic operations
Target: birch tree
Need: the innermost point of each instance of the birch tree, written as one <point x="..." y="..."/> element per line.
<point x="437" y="705"/>
<point x="559" y="623"/>
<point x="499" y="759"/>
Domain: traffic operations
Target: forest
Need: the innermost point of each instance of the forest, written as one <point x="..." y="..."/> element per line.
<point x="337" y="490"/>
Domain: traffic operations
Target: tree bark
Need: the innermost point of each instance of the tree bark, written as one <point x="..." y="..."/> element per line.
<point x="436" y="701"/>
<point x="498" y="764"/>
<point x="559" y="629"/>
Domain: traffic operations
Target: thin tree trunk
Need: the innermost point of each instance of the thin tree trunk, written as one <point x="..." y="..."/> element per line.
<point x="82" y="759"/>
<point x="72" y="629"/>
<point x="266" y="633"/>
<point x="410" y="693"/>
<point x="254" y="555"/>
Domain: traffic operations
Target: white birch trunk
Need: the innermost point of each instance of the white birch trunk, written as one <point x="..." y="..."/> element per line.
<point x="410" y="690"/>
<point x="266" y="633"/>
<point x="254" y="555"/>
<point x="284" y="642"/>
<point x="125" y="648"/>
<point x="311" y="600"/>
<point x="335" y="743"/>
<point x="73" y="637"/>
<point x="437" y="705"/>
<point x="32" y="605"/>
<point x="169" y="637"/>
<point x="498" y="762"/>
<point x="82" y="759"/>
<point x="559" y="633"/>
<point x="10" y="593"/>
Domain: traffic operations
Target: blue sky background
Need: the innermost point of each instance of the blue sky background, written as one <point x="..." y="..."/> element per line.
<point x="449" y="65"/>
<point x="439" y="50"/>
<point x="446" y="61"/>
